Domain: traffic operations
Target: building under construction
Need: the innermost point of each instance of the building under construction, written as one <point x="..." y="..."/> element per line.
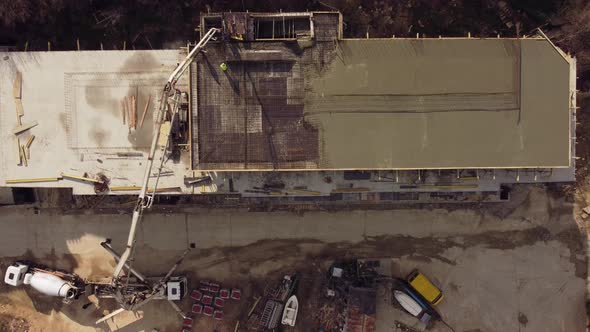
<point x="380" y="119"/>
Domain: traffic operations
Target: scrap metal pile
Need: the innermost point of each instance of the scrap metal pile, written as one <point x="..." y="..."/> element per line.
<point x="268" y="310"/>
<point x="343" y="279"/>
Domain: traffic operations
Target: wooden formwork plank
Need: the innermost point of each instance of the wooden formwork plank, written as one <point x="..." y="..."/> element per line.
<point x="123" y="110"/>
<point x="24" y="127"/>
<point x="147" y="105"/>
<point x="32" y="180"/>
<point x="17" y="86"/>
<point x="81" y="178"/>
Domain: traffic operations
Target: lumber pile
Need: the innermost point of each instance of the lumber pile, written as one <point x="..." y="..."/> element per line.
<point x="23" y="150"/>
<point x="129" y="113"/>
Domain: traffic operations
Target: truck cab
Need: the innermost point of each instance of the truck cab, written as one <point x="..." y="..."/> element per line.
<point x="425" y="287"/>
<point x="176" y="288"/>
<point x="15" y="274"/>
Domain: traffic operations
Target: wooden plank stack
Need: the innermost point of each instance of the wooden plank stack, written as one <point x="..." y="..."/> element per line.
<point x="23" y="150"/>
<point x="129" y="111"/>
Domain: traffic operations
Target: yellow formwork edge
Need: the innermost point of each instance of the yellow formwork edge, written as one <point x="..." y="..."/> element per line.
<point x="135" y="188"/>
<point x="33" y="180"/>
<point x="459" y="186"/>
<point x="304" y="191"/>
<point x="81" y="178"/>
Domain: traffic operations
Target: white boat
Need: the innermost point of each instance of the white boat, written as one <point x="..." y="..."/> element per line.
<point x="290" y="312"/>
<point x="407" y="302"/>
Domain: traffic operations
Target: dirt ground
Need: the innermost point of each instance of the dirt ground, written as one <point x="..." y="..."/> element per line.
<point x="496" y="263"/>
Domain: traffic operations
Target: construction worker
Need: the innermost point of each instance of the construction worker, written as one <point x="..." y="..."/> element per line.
<point x="223" y="66"/>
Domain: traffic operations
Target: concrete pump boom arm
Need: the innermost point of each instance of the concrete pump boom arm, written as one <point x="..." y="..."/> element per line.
<point x="143" y="200"/>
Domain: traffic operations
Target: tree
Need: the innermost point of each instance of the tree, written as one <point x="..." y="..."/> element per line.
<point x="13" y="12"/>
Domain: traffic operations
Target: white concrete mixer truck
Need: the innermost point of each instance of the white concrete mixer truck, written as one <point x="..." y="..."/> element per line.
<point x="51" y="283"/>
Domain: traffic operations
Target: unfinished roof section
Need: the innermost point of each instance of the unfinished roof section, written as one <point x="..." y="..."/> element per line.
<point x="328" y="103"/>
<point x="249" y="27"/>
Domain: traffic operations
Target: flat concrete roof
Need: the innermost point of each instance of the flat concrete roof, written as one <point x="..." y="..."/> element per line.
<point x="76" y="99"/>
<point x="385" y="104"/>
<point x="373" y="104"/>
<point x="443" y="104"/>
